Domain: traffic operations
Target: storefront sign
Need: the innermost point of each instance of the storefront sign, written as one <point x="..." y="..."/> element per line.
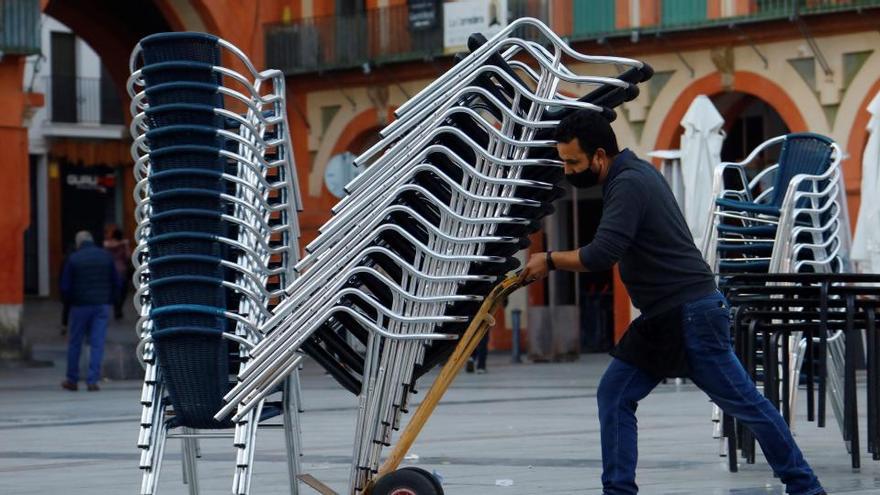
<point x="422" y="14"/>
<point x="91" y="182"/>
<point x="463" y="18"/>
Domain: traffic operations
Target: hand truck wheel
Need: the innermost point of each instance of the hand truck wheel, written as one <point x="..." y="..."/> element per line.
<point x="408" y="481"/>
<point x="424" y="472"/>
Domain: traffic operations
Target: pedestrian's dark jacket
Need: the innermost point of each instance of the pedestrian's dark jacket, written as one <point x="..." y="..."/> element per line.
<point x="643" y="229"/>
<point x="89" y="277"/>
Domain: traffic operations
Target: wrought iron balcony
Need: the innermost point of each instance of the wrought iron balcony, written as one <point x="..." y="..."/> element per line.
<point x="375" y="37"/>
<point x="597" y="18"/>
<point x="81" y="100"/>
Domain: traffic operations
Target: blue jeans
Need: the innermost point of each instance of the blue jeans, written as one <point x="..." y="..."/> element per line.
<point x="88" y="321"/>
<point x="717" y="371"/>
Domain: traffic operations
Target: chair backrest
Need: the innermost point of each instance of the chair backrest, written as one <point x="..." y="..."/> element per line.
<point x="802" y="153"/>
<point x="188" y="298"/>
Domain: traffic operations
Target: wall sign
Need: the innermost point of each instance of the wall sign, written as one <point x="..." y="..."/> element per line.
<point x="463" y="18"/>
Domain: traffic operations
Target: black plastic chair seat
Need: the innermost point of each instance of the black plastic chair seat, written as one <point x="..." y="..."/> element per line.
<point x="185" y="243"/>
<point x="760" y="231"/>
<point x="195" y="368"/>
<point x="180" y="264"/>
<point x="759" y="266"/>
<point x="745" y="248"/>
<point x="734" y="205"/>
<point x="188" y="114"/>
<point x="182" y="45"/>
<point x="187" y="290"/>
<point x="187" y="157"/>
<point x="186" y="135"/>
<point x="193" y="92"/>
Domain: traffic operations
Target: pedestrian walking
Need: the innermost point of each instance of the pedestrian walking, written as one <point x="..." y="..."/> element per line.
<point x="120" y="249"/>
<point x="89" y="282"/>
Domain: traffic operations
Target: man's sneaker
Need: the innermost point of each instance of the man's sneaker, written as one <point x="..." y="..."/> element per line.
<point x="93" y="387"/>
<point x="69" y="385"/>
<point x="481" y="371"/>
<point x="470" y="366"/>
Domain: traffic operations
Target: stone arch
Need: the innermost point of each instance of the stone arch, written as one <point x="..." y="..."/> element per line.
<point x="111" y="29"/>
<point x="670" y="132"/>
<point x="743" y="82"/>
<point x="858" y="138"/>
<point x="363" y="122"/>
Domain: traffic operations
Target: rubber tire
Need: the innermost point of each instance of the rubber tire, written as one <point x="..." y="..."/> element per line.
<point x="407" y="481"/>
<point x="430" y="476"/>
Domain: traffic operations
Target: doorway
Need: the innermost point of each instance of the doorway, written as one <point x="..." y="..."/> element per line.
<point x="573" y="226"/>
<point x="748" y="122"/>
<point x="88" y="196"/>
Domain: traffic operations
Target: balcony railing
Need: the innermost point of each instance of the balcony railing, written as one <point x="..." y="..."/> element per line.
<point x="81" y="100"/>
<point x="394" y="34"/>
<point x="20" y="26"/>
<point x="377" y="36"/>
<point x="673" y="15"/>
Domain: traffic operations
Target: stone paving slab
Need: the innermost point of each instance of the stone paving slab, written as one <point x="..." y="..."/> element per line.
<point x="532" y="424"/>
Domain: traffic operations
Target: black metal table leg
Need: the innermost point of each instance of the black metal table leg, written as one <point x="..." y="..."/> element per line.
<point x="784" y="339"/>
<point x="870" y="328"/>
<point x="873" y="382"/>
<point x="850" y="399"/>
<point x="728" y="430"/>
<point x="823" y="352"/>
<point x="810" y="362"/>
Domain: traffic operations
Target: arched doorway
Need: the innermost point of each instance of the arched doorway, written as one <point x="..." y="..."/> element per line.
<point x="747" y="83"/>
<point x="81" y="175"/>
<point x="751" y="94"/>
<point x="748" y="122"/>
<point x="112" y="28"/>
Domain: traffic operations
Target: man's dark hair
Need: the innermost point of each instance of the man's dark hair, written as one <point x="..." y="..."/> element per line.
<point x="592" y="130"/>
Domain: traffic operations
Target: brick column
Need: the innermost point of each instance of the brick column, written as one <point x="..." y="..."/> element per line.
<point x="14" y="216"/>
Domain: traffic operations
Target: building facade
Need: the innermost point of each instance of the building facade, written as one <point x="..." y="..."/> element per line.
<point x="78" y="147"/>
<point x="770" y="66"/>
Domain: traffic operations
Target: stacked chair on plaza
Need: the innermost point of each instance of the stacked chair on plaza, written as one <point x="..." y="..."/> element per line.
<point x="838" y="313"/>
<point x="790" y="217"/>
<point x="217" y="234"/>
<point x="432" y="224"/>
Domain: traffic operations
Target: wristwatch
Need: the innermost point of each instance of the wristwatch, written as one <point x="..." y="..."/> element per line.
<point x="550" y="264"/>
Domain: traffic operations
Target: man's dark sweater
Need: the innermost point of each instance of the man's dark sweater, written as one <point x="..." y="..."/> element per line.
<point x="643" y="228"/>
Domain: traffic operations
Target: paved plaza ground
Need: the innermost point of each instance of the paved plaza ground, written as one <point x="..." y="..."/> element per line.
<point x="520" y="429"/>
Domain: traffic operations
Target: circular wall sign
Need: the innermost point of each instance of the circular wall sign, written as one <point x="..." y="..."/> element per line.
<point x="339" y="172"/>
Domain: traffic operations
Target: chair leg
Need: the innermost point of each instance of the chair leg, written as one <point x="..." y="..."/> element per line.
<point x="292" y="431"/>
<point x="152" y="436"/>
<point x="716" y="422"/>
<point x="156" y="452"/>
<point x="239" y="441"/>
<point x="797" y="346"/>
<point x="184" y="459"/>
<point x="298" y="402"/>
<point x="189" y="448"/>
<point x="245" y="451"/>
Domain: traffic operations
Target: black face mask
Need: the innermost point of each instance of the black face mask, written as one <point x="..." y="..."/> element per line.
<point x="584" y="179"/>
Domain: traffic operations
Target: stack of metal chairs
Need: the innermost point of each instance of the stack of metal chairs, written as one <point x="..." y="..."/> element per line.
<point x="789" y="218"/>
<point x="217" y="201"/>
<point x="771" y="307"/>
<point x="447" y="197"/>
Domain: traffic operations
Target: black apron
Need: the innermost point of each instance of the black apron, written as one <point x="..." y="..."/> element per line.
<point x="655" y="345"/>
